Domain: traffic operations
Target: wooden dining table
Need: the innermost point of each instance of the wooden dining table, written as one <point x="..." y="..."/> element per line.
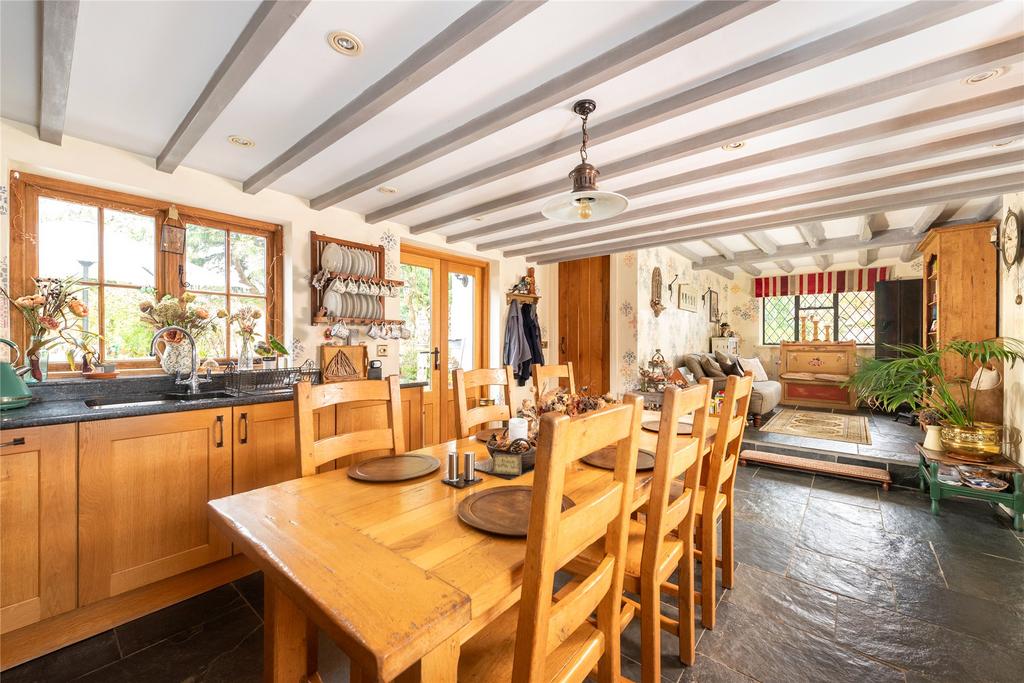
<point x="386" y="570"/>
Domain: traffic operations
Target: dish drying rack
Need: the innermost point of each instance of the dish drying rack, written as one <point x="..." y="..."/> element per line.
<point x="269" y="381"/>
<point x="317" y="244"/>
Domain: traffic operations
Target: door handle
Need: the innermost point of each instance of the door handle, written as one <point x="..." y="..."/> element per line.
<point x="437" y="358"/>
<point x="16" y="441"/>
<point x="243" y="422"/>
<point x="561" y="345"/>
<point x="220" y="432"/>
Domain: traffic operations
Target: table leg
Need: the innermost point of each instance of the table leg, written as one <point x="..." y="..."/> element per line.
<point x="936" y="492"/>
<point x="440" y="665"/>
<point x="285" y="638"/>
<point x="1018" y="501"/>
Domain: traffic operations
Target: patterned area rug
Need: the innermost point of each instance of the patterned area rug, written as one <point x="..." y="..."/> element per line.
<point x="820" y="425"/>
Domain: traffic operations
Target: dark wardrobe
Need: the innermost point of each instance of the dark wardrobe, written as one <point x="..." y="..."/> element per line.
<point x="898" y="315"/>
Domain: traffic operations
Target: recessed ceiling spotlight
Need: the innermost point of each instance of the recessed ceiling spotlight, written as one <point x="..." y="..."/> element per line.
<point x="478" y="218"/>
<point x="733" y="146"/>
<point x="241" y="141"/>
<point x="1005" y="143"/>
<point x="345" y="43"/>
<point x="387" y="189"/>
<point x="982" y="76"/>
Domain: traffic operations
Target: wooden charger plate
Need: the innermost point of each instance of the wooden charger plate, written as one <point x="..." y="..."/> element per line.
<point x="605" y="459"/>
<point x="504" y="510"/>
<point x="394" y="467"/>
<point x="684" y="428"/>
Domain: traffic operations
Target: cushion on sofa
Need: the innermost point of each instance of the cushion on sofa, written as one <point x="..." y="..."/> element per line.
<point x="754" y="365"/>
<point x="827" y="377"/>
<point x="711" y="367"/>
<point x="692" y="363"/>
<point x="729" y="363"/>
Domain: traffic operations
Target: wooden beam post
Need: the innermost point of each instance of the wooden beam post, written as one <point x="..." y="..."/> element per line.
<point x="60" y="21"/>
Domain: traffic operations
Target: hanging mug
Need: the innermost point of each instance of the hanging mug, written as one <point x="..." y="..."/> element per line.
<point x="406" y="333"/>
<point x="374" y="289"/>
<point x="364" y="288"/>
<point x="372" y="333"/>
<point x="351" y="286"/>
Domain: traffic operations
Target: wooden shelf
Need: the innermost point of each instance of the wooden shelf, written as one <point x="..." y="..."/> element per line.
<point x="527" y="298"/>
<point x="330" y="320"/>
<point x="367" y="278"/>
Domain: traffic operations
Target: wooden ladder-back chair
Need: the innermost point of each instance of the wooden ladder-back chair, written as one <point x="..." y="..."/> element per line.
<point x="464" y="381"/>
<point x="342" y="447"/>
<point x="663" y="543"/>
<point x="539" y="640"/>
<point x="715" y="499"/>
<point x="543" y="374"/>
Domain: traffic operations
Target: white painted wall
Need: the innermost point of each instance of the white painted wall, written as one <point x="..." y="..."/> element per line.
<point x="99" y="165"/>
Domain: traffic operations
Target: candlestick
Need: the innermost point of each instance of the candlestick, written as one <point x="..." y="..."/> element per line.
<point x="518" y="428"/>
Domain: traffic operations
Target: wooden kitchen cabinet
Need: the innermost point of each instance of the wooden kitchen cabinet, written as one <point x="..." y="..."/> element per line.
<point x="38" y="524"/>
<point x="264" y="443"/>
<point x="143" y="487"/>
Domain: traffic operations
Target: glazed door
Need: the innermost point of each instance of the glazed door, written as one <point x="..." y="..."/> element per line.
<point x="443" y="304"/>
<point x="583" y="324"/>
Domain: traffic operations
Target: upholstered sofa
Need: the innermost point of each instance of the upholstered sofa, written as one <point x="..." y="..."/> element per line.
<point x="764" y="397"/>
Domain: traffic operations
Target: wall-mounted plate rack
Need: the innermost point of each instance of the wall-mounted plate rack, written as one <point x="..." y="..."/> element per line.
<point x="369" y="266"/>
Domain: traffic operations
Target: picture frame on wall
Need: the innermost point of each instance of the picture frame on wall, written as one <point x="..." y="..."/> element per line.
<point x="687" y="298"/>
<point x="713" y="314"/>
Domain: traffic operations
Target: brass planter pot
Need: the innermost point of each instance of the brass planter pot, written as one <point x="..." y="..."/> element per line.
<point x="980" y="443"/>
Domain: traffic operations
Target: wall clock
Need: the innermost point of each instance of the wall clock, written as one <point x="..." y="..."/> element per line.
<point x="1010" y="237"/>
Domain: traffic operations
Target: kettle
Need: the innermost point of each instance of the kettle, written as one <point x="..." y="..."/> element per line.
<point x="14" y="393"/>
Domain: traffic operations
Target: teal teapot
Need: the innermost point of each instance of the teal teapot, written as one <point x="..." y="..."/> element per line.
<point x="14" y="393"/>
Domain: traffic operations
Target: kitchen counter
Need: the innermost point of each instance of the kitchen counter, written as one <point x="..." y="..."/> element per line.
<point x="63" y="401"/>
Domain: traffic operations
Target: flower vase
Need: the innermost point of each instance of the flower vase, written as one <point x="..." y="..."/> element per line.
<point x="245" y="355"/>
<point x="38" y="360"/>
<point x="932" y="439"/>
<point x="176" y="357"/>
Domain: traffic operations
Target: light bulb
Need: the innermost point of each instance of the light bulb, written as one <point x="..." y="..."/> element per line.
<point x="584" y="211"/>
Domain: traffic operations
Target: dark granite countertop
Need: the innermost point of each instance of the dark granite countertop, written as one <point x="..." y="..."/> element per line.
<point x="63" y="401"/>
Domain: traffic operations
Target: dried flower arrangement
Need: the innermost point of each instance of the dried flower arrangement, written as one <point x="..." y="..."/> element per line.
<point x="183" y="313"/>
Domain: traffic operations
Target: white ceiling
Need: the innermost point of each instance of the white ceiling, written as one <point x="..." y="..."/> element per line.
<point x="139" y="67"/>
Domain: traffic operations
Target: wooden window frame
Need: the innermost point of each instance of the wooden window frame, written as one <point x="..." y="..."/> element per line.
<point x="27" y="188"/>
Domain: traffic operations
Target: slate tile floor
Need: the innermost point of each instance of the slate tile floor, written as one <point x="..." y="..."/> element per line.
<point x="837" y="581"/>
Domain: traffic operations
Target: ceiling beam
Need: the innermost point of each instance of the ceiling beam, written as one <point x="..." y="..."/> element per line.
<point x="60" y="19"/>
<point x="762" y="242"/>
<point x="684" y="28"/>
<point x="908" y="253"/>
<point x="749" y="269"/>
<point x="477" y="26"/>
<point x="864" y="94"/>
<point x="991" y="209"/>
<point x="688" y="253"/>
<point x="823" y="261"/>
<point x="865" y="257"/>
<point x="875" y="162"/>
<point x="722" y="272"/>
<point x="784" y="265"/>
<point x="1003" y="99"/>
<point x="889" y="238"/>
<point x="1009" y="182"/>
<point x="928" y="216"/>
<point x="812" y="233"/>
<point x="268" y="24"/>
<point x="1013" y="159"/>
<point x="719" y="248"/>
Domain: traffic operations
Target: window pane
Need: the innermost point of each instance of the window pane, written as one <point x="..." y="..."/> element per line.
<point x="248" y="263"/>
<point x="857" y="317"/>
<point x="417" y="362"/>
<point x="68" y="239"/>
<point x="214" y="342"/>
<point x="239" y="302"/>
<point x="461" y="322"/>
<point x="824" y="316"/>
<point x="778" y="319"/>
<point x="124" y="334"/>
<point x="91" y="323"/>
<point x="129" y="243"/>
<point x="205" y="256"/>
<point x="816" y="301"/>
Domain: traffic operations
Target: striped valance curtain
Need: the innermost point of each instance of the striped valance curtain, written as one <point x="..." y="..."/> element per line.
<point x="858" y="280"/>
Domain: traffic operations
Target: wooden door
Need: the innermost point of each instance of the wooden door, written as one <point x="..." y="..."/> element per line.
<point x="38" y="524"/>
<point x="583" y="321"/>
<point x="143" y="487"/>
<point x="444" y="304"/>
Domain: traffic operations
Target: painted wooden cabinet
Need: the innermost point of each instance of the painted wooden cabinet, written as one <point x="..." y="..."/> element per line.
<point x="38" y="522"/>
<point x="143" y="487"/>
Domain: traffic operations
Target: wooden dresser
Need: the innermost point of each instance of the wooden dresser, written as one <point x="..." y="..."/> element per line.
<point x="812" y="374"/>
<point x="960" y="297"/>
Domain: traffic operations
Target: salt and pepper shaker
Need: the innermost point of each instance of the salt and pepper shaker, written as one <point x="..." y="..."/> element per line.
<point x="453" y="466"/>
<point x="469" y="473"/>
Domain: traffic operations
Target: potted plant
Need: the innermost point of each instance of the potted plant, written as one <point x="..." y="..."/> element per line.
<point x="918" y="379"/>
<point x="175" y="356"/>
<point x="53" y="314"/>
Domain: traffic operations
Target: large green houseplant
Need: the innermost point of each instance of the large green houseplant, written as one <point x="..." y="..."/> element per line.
<point x="917" y="379"/>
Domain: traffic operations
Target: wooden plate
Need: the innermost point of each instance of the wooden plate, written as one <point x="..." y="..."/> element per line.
<point x="504" y="510"/>
<point x="394" y="467"/>
<point x="484" y="434"/>
<point x="684" y="428"/>
<point x="605" y="459"/>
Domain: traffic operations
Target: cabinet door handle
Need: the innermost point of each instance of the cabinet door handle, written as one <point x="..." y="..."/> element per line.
<point x="16" y="441"/>
<point x="561" y="346"/>
<point x="243" y="422"/>
<point x="220" y="431"/>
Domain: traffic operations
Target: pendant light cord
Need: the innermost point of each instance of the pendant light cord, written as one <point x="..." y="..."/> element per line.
<point x="586" y="139"/>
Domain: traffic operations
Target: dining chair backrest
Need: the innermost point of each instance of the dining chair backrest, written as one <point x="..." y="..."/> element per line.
<point x="312" y="397"/>
<point x="543" y="375"/>
<point x="556" y="537"/>
<point x="465" y="381"/>
<point x="674" y="452"/>
<point x="732" y="422"/>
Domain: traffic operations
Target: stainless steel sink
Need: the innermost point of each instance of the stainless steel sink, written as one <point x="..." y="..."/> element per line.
<point x="151" y="399"/>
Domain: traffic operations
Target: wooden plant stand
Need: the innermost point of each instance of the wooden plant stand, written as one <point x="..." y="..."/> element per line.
<point x="1012" y="497"/>
<point x="832" y="469"/>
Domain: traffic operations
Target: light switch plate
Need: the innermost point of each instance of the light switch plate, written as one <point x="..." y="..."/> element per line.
<point x="382" y="350"/>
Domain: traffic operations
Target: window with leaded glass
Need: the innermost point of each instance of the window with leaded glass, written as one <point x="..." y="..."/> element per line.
<point x="850" y="315"/>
